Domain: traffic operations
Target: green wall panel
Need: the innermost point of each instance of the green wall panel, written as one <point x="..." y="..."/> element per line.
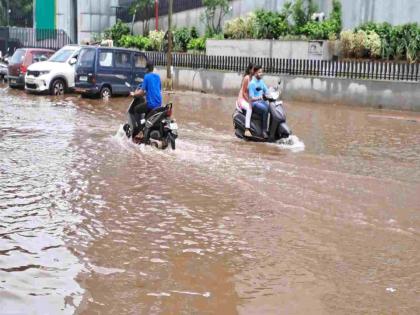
<point x="45" y="19"/>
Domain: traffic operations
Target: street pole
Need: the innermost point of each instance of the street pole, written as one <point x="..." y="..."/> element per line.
<point x="169" y="55"/>
<point x="156" y="15"/>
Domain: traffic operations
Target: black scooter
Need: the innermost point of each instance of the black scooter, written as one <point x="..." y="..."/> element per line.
<point x="157" y="128"/>
<point x="278" y="131"/>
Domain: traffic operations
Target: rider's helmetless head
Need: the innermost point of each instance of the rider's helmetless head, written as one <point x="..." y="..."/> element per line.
<point x="258" y="72"/>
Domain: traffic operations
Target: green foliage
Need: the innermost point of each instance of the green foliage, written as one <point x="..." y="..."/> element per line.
<point x="193" y="32"/>
<point x="156" y="40"/>
<point x="360" y="44"/>
<point x="274" y="25"/>
<point x="347" y="43"/>
<point x="397" y="42"/>
<point x="197" y="44"/>
<point x="302" y="12"/>
<point x="240" y="28"/>
<point x="270" y="25"/>
<point x="116" y="32"/>
<point x="182" y="37"/>
<point x="215" y="11"/>
<point x="373" y="44"/>
<point x="139" y="42"/>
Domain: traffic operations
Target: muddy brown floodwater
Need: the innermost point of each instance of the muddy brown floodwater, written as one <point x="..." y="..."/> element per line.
<point x="91" y="224"/>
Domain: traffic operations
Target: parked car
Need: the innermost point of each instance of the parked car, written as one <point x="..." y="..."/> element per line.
<point x="21" y="60"/>
<point x="56" y="75"/>
<point x="105" y="72"/>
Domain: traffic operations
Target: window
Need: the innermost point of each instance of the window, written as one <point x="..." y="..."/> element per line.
<point x="122" y="59"/>
<point x="40" y="56"/>
<point x="87" y="58"/>
<point x="62" y="55"/>
<point x="18" y="56"/>
<point x="140" y="61"/>
<point x="105" y="58"/>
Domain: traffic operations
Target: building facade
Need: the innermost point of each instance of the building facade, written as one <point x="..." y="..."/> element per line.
<point x="80" y="19"/>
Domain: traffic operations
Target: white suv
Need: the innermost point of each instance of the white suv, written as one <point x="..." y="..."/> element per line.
<point x="56" y="75"/>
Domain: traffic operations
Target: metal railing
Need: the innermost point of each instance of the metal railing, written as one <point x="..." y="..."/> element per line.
<point x="15" y="37"/>
<point x="123" y="13"/>
<point x="369" y="70"/>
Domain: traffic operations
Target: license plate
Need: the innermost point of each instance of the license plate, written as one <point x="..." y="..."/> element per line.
<point x="29" y="80"/>
<point x="83" y="78"/>
<point x="173" y="126"/>
<point x="13" y="81"/>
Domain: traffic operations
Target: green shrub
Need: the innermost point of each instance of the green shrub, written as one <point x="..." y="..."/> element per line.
<point x="181" y="37"/>
<point x="197" y="44"/>
<point x="139" y="42"/>
<point x="193" y="32"/>
<point x="360" y="44"/>
<point x="374" y="44"/>
<point x="116" y="32"/>
<point x="156" y="40"/>
<point x="397" y="42"/>
<point x="270" y="25"/>
<point x="347" y="43"/>
<point x="240" y="28"/>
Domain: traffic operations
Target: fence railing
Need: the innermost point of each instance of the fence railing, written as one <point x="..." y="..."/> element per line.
<point x="123" y="13"/>
<point x="14" y="37"/>
<point x="370" y="70"/>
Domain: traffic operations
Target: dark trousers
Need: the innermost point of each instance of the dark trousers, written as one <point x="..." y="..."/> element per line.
<point x="261" y="108"/>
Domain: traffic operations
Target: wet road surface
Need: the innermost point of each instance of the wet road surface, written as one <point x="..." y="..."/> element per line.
<point x="92" y="224"/>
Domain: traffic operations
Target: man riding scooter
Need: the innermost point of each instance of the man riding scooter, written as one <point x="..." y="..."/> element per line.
<point x="151" y="89"/>
<point x="257" y="88"/>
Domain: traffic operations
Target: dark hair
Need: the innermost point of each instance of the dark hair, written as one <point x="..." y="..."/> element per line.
<point x="150" y="66"/>
<point x="249" y="69"/>
<point x="257" y="67"/>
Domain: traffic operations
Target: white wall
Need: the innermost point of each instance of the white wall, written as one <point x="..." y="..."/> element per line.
<point x="316" y="50"/>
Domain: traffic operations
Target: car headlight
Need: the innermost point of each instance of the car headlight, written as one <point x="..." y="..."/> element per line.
<point x="44" y="72"/>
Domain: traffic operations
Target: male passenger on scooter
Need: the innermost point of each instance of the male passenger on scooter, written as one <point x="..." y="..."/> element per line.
<point x="151" y="89"/>
<point x="257" y="89"/>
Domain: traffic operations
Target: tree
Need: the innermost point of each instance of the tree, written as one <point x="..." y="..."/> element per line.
<point x="141" y="5"/>
<point x="215" y="11"/>
<point x="20" y="12"/>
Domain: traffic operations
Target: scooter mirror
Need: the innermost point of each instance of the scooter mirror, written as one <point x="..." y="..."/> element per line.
<point x="127" y="84"/>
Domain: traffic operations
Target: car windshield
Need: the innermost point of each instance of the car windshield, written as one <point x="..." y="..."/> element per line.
<point x="62" y="55"/>
<point x="18" y="56"/>
<point x="86" y="58"/>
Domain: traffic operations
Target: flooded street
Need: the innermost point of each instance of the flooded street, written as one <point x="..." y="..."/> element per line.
<point x="92" y="224"/>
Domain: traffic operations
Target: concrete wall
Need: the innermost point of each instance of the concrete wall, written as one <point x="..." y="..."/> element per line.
<point x="317" y="50"/>
<point x="379" y="94"/>
<point x="355" y="12"/>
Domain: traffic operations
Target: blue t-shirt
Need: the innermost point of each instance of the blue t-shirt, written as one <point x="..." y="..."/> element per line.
<point x="152" y="86"/>
<point x="254" y="85"/>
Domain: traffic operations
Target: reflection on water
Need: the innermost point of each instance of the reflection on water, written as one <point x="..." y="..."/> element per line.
<point x="92" y="224"/>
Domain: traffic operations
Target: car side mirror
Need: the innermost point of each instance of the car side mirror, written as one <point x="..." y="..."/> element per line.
<point x="36" y="59"/>
<point x="72" y="61"/>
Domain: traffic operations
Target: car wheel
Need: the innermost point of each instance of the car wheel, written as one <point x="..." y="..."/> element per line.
<point x="105" y="92"/>
<point x="58" y="87"/>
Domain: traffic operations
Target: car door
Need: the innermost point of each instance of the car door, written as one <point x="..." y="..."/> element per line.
<point x="105" y="68"/>
<point x="139" y="66"/>
<point x="122" y="70"/>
